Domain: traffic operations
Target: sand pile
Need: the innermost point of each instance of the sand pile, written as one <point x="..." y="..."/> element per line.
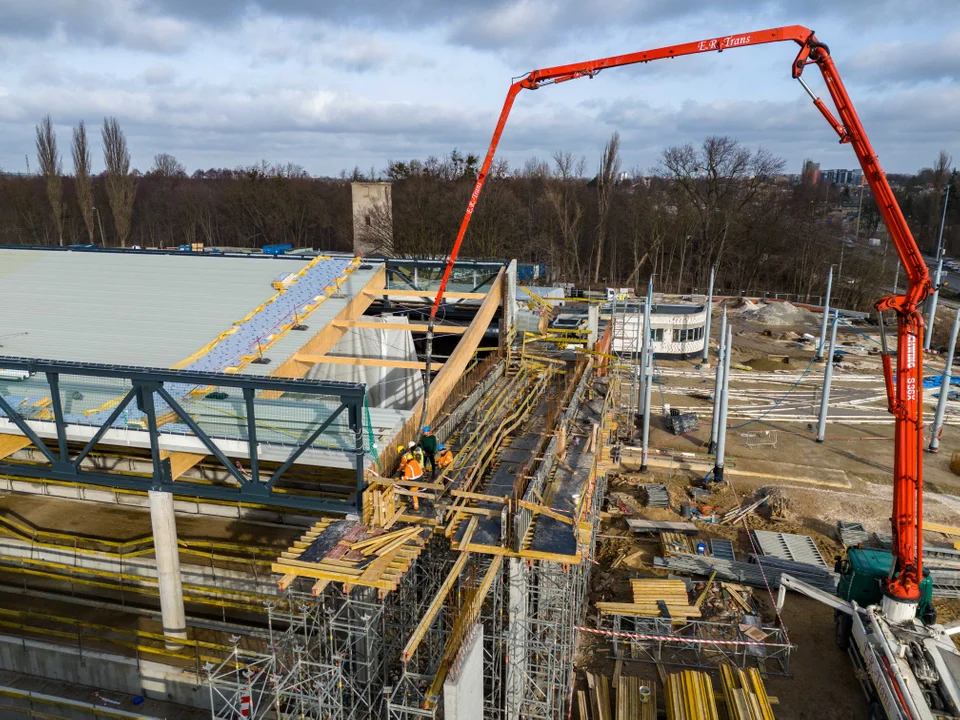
<point x="780" y="313"/>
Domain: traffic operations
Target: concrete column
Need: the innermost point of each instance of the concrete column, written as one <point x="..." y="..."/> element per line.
<point x="164" y="523"/>
<point x="706" y="325"/>
<point x="826" y="315"/>
<point x="827" y="379"/>
<point x="944" y="387"/>
<point x="593" y="324"/>
<point x="647" y="392"/>
<point x="516" y="637"/>
<point x="724" y="405"/>
<point x="718" y="383"/>
<point x="928" y="335"/>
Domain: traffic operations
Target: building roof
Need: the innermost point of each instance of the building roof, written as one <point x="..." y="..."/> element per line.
<point x="145" y="309"/>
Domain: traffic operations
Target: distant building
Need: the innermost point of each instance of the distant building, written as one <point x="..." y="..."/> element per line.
<point x="842" y="177"/>
<point x="810" y="174"/>
<point x="372" y="218"/>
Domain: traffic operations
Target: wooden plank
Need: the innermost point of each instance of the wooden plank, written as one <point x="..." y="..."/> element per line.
<point x="447" y="378"/>
<point x="413" y="327"/>
<point x="427" y="619"/>
<point x="364" y="362"/>
<point x="945" y="529"/>
<point x="319" y="586"/>
<point x="480" y="496"/>
<point x="180" y="462"/>
<point x="396" y="293"/>
<point x="651" y="609"/>
<point x="9" y="444"/>
<point x="284" y="582"/>
<point x="468" y="534"/>
<point x="543" y="510"/>
<point x="328" y="336"/>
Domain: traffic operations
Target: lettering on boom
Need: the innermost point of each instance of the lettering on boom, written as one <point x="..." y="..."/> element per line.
<point x="473" y="198"/>
<point x="724" y="43"/>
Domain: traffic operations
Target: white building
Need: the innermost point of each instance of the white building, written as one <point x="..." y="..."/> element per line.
<point x="677" y="329"/>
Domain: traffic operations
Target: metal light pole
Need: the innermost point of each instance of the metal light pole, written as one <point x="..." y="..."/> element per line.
<point x="944" y="387"/>
<point x="896" y="278"/>
<point x="706" y="326"/>
<point x="943" y="218"/>
<point x="826" y="315"/>
<point x="645" y="347"/>
<point x="718" y="384"/>
<point x="928" y="335"/>
<point x="647" y="392"/>
<point x="827" y="379"/>
<point x="103" y="240"/>
<point x="724" y="406"/>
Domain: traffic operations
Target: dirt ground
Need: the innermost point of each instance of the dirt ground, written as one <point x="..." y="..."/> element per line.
<point x="848" y="477"/>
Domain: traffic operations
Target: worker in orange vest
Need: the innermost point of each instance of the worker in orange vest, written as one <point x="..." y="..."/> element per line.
<point x="444" y="457"/>
<point x="411" y="469"/>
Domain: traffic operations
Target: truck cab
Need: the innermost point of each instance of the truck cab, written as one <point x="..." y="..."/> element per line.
<point x="862" y="573"/>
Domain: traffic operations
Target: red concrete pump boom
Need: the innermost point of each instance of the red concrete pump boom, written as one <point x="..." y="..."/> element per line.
<point x="904" y="396"/>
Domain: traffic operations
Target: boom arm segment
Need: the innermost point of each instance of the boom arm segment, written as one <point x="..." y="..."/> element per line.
<point x="904" y="398"/>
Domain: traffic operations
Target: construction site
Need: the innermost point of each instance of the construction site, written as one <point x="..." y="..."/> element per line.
<point x="204" y="513"/>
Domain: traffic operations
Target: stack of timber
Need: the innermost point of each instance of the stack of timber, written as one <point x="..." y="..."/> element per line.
<point x="599" y="696"/>
<point x="741" y="511"/>
<point x="744" y="694"/>
<point x="351" y="553"/>
<point x="689" y="696"/>
<point x="631" y="703"/>
<point x="651" y="597"/>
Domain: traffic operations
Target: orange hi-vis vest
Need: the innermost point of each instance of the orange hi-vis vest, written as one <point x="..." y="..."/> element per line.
<point x="444" y="459"/>
<point x="412" y="470"/>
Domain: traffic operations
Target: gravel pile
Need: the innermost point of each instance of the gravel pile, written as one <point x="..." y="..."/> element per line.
<point x="780" y="313"/>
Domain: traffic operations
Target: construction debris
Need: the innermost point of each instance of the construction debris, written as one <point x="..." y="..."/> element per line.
<point x="741" y="511"/>
<point x="750" y="573"/>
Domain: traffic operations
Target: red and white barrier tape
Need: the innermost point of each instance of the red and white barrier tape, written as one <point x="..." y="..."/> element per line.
<point x="674" y="638"/>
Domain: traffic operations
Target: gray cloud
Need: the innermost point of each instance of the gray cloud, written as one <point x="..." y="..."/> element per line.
<point x="909" y="62"/>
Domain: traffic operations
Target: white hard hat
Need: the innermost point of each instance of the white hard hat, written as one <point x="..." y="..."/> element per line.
<point x="411" y="444"/>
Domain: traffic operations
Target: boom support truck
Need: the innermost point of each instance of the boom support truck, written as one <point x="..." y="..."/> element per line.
<point x="909" y="667"/>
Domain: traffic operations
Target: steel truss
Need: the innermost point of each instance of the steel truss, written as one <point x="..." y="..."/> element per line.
<point x="692" y="643"/>
<point x="150" y="390"/>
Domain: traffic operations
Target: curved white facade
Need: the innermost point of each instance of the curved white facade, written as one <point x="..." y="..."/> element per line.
<point x="678" y="330"/>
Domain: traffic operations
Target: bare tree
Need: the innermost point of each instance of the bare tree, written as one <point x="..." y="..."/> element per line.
<point x="51" y="168"/>
<point x="166" y="165"/>
<point x="121" y="185"/>
<point x="720" y="178"/>
<point x="563" y="198"/>
<point x="606" y="180"/>
<point x="82" y="180"/>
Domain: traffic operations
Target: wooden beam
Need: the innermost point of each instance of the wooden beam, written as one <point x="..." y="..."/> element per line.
<point x="311" y="360"/>
<point x="412" y="327"/>
<point x="328" y="336"/>
<point x="462" y="354"/>
<point x="427" y="294"/>
<point x="180" y="462"/>
<point x="9" y="444"/>
<point x="480" y="496"/>
<point x="421" y="630"/>
<point x="549" y="512"/>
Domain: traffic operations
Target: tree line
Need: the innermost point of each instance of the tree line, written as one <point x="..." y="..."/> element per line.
<point x="715" y="203"/>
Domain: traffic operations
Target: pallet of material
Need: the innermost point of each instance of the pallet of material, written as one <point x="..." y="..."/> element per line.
<point x="651" y="609"/>
<point x="674" y="543"/>
<point x="744" y="694"/>
<point x="631" y="703"/>
<point x="647" y="590"/>
<point x="689" y="696"/>
<point x="655" y="526"/>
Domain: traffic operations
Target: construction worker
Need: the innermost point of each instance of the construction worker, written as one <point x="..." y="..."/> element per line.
<point x="428" y="443"/>
<point x="416" y="451"/>
<point x="444" y="458"/>
<point x="412" y="470"/>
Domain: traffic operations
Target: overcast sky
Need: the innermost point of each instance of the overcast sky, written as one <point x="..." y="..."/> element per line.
<point x="331" y="84"/>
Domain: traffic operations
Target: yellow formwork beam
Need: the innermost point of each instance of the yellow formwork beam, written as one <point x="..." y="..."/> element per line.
<point x="9" y="444"/>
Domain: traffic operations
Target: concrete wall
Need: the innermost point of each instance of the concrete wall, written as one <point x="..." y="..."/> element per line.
<point x="463" y="688"/>
<point x="103" y="671"/>
<point x="372" y="218"/>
